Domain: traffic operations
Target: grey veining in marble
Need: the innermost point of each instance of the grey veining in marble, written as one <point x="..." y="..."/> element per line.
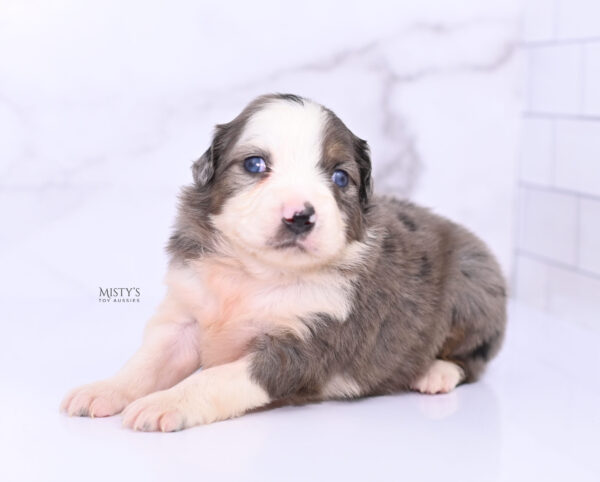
<point x="104" y="106"/>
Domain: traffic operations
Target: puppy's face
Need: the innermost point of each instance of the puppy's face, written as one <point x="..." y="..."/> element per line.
<point x="288" y="182"/>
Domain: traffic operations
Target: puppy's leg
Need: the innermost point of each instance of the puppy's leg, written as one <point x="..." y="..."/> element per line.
<point x="216" y="393"/>
<point x="277" y="366"/>
<point x="168" y="354"/>
<point x="441" y="377"/>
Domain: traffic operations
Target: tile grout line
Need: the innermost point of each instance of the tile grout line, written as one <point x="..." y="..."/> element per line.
<point x="516" y="223"/>
<point x="558" y="190"/>
<point x="578" y="233"/>
<point x="558" y="264"/>
<point x="553" y="162"/>
<point x="582" y="74"/>
<point x="556" y="42"/>
<point x="555" y="15"/>
<point x="553" y="176"/>
<point x="561" y="116"/>
<point x="529" y="82"/>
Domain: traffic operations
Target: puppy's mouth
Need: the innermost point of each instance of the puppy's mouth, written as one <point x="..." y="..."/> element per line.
<point x="285" y="239"/>
<point x="293" y="243"/>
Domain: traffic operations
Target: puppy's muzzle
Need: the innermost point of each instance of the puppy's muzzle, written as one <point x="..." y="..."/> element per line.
<point x="302" y="221"/>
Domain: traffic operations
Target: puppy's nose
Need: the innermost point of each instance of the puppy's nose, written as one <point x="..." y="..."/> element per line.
<point x="301" y="221"/>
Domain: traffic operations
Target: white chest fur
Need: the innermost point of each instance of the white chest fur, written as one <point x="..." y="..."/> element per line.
<point x="231" y="306"/>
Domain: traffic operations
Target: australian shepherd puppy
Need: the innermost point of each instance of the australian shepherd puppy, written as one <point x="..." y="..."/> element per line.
<point x="289" y="281"/>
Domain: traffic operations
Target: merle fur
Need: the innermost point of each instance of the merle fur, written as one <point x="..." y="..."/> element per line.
<point x="429" y="289"/>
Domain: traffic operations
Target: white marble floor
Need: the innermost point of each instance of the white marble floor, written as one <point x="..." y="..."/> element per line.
<point x="534" y="416"/>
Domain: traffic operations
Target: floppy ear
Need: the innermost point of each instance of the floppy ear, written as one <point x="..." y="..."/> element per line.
<point x="203" y="169"/>
<point x="363" y="158"/>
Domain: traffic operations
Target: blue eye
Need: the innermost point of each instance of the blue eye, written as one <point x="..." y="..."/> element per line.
<point x="340" y="178"/>
<point x="255" y="164"/>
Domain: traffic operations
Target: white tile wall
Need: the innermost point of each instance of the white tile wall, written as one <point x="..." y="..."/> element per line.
<point x="589" y="236"/>
<point x="557" y="256"/>
<point x="539" y="20"/>
<point x="555" y="78"/>
<point x="573" y="297"/>
<point x="531" y="283"/>
<point x="578" y="156"/>
<point x="591" y="77"/>
<point x="566" y="293"/>
<point x="537" y="151"/>
<point x="576" y="19"/>
<point x="548" y="225"/>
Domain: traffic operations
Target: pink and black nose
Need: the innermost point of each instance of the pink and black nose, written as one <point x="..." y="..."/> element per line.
<point x="301" y="221"/>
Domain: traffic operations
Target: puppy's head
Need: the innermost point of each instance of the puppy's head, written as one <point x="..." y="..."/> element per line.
<point x="287" y="182"/>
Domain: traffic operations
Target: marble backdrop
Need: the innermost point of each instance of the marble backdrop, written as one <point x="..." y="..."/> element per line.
<point x="104" y="105"/>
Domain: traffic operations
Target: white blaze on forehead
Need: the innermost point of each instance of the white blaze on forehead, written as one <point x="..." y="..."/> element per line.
<point x="291" y="136"/>
<point x="291" y="133"/>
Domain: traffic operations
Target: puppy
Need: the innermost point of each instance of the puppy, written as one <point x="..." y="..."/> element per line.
<point x="290" y="282"/>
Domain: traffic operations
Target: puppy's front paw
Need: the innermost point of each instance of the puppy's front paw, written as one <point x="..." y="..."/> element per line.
<point x="441" y="377"/>
<point x="99" y="399"/>
<point x="213" y="394"/>
<point x="160" y="411"/>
